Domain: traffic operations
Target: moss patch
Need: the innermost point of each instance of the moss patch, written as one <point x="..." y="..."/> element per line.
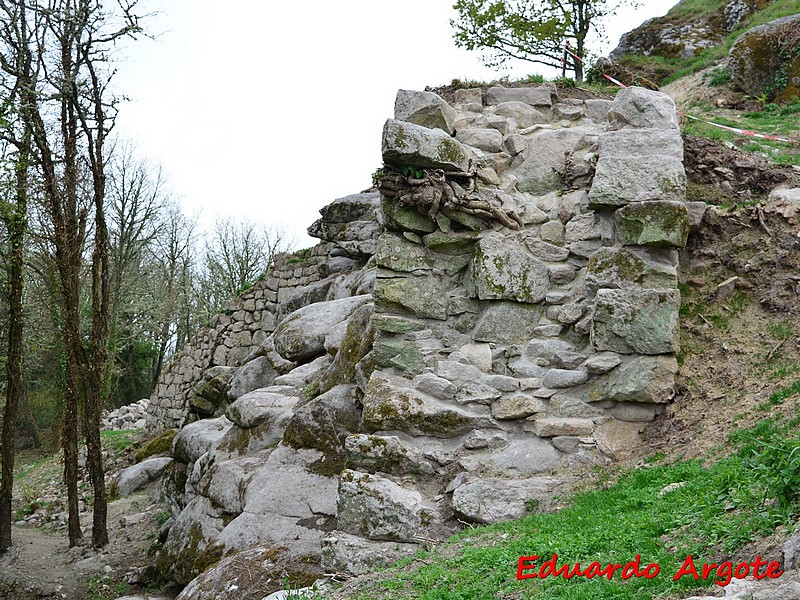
<point x="161" y="444"/>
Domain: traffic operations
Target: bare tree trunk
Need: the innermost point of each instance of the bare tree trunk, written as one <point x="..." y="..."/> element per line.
<point x="16" y="224"/>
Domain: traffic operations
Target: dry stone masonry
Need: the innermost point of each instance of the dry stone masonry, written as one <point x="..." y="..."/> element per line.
<point x="499" y="317"/>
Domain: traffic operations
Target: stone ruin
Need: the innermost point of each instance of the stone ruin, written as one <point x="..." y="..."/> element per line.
<point x="468" y="341"/>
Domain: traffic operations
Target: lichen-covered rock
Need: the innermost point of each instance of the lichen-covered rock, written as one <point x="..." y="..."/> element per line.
<point x="186" y="553"/>
<point x="488" y="140"/>
<point x="379" y="509"/>
<point x="356" y="344"/>
<point x="649" y="379"/>
<point x="405" y="218"/>
<point x="425" y="297"/>
<point x="390" y="405"/>
<point x="199" y="437"/>
<point x="543" y="160"/>
<point x="384" y="454"/>
<point x="639" y="107"/>
<point x="507" y="323"/>
<point x="425" y="109"/>
<point x="557" y="426"/>
<point x="139" y="475"/>
<point x="399" y="254"/>
<point x="257" y="373"/>
<point x="494" y="500"/>
<point x="621" y="180"/>
<point x="413" y="145"/>
<point x="622" y="268"/>
<point x="641" y="142"/>
<point x="273" y="405"/>
<point x="226" y="481"/>
<point x="636" y="321"/>
<point x="760" y="53"/>
<point x="323" y="424"/>
<point x="212" y="389"/>
<point x="301" y="335"/>
<point x="346" y="553"/>
<point x="517" y="406"/>
<point x="454" y="243"/>
<point x="503" y="271"/>
<point x="401" y="355"/>
<point x="658" y="223"/>
<point x="533" y="96"/>
<point x="523" y="114"/>
<point x="251" y="575"/>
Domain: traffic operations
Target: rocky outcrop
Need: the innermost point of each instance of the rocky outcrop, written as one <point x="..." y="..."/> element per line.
<point x="515" y="326"/>
<point x="679" y="34"/>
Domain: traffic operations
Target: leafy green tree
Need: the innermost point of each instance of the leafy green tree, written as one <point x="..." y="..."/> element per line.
<point x="531" y="30"/>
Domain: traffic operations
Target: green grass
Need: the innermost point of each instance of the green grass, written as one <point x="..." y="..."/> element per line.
<point x="717" y="509"/>
<point x="667" y="70"/>
<point x="118" y="441"/>
<point x="778" y="396"/>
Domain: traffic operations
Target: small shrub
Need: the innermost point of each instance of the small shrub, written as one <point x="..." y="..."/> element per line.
<point x="719" y="76"/>
<point x="776" y="466"/>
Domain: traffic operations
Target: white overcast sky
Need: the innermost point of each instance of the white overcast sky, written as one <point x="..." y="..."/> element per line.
<point x="266" y="111"/>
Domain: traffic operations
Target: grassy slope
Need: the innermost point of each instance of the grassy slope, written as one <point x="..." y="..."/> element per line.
<point x="665" y="69"/>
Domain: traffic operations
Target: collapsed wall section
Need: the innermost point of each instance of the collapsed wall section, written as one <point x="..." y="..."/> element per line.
<point x="526" y="301"/>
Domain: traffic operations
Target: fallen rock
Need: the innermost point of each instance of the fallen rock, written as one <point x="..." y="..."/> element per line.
<point x="139" y="475"/>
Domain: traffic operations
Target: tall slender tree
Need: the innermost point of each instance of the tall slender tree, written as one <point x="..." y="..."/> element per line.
<point x="14" y="215"/>
<point x="56" y="58"/>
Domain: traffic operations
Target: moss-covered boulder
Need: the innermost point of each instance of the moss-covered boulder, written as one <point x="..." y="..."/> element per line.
<point x="767" y="59"/>
<point x="161" y="444"/>
<point x="660" y="223"/>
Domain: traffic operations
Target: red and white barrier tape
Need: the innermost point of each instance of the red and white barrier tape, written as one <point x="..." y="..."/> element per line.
<point x="726" y="127"/>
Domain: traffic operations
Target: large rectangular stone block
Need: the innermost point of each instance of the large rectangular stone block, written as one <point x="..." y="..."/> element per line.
<point x="621" y="180"/>
<point x="635" y="321"/>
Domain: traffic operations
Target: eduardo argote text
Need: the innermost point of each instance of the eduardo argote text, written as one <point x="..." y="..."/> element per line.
<point x="529" y="567"/>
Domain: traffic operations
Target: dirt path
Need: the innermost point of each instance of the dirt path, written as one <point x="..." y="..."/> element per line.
<point x="41" y="565"/>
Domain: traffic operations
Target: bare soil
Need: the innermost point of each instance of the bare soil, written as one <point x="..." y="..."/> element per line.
<point x="41" y="564"/>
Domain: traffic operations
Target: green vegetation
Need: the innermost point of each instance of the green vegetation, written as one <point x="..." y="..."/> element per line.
<point x="780" y="121"/>
<point x="707" y="511"/>
<point x="158" y="445"/>
<point x="665" y="70"/>
<point x="118" y="441"/>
